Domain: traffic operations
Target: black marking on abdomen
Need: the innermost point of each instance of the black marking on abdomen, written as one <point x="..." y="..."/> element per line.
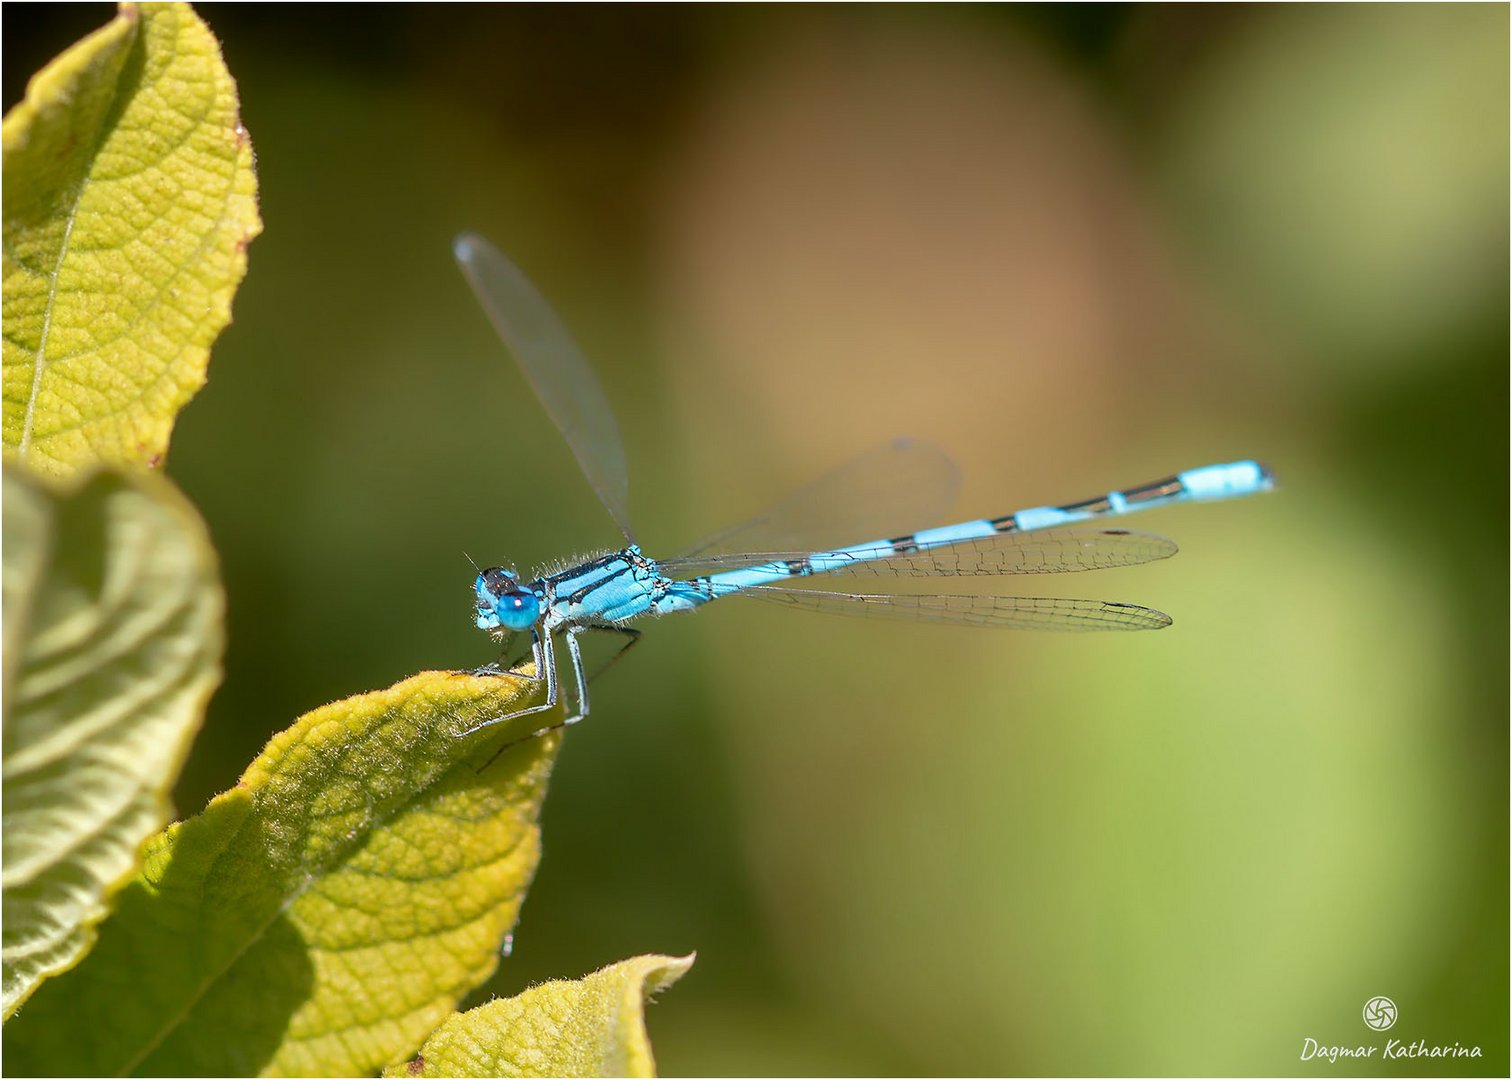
<point x="904" y="545"/>
<point x="1099" y="505"/>
<point x="799" y="567"/>
<point x="1004" y="524"/>
<point x="1160" y="489"/>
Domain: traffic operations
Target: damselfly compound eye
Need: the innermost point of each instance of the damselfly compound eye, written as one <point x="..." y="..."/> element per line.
<point x="498" y="580"/>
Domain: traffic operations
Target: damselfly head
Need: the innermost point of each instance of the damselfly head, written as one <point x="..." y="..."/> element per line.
<point x="503" y="603"/>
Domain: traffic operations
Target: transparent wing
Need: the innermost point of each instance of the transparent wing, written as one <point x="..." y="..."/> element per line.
<point x="1005" y="612"/>
<point x="903" y="484"/>
<point x="554" y="366"/>
<point x="1057" y="551"/>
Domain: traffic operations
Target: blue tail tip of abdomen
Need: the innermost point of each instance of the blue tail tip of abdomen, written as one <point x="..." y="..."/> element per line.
<point x="1229" y="481"/>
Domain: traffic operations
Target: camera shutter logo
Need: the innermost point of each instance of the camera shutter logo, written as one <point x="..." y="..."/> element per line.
<point x="1379" y="1013"/>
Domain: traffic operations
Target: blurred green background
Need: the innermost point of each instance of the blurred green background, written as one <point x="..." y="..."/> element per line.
<point x="1081" y="248"/>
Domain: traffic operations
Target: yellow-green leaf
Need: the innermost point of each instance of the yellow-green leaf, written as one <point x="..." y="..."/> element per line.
<point x="323" y="916"/>
<point x="129" y="200"/>
<point x="112" y="646"/>
<point x="593" y="1027"/>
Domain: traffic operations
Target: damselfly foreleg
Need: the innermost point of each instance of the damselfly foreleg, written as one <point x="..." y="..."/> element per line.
<point x="575" y="656"/>
<point x="506" y="664"/>
<point x="544" y="655"/>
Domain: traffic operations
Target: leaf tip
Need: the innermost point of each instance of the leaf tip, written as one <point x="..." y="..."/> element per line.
<point x="663" y="971"/>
